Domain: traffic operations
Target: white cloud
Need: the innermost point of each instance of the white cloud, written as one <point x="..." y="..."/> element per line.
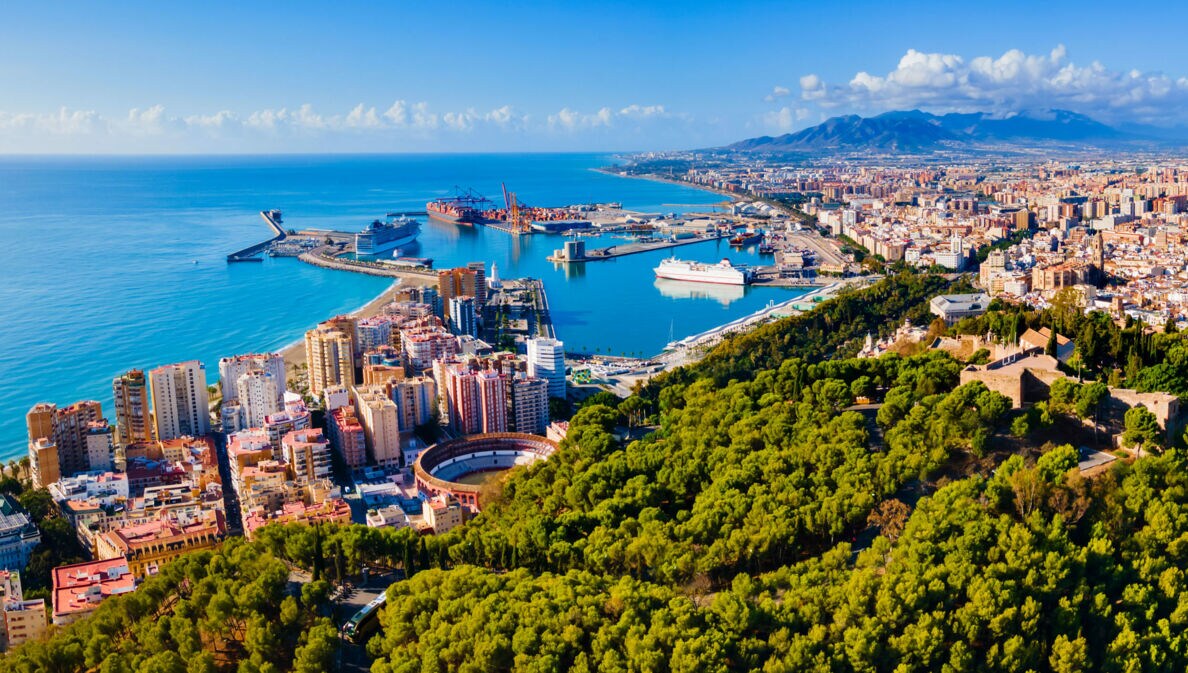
<point x="776" y="93"/>
<point x="267" y="119"/>
<point x="63" y="122"/>
<point x="403" y="124"/>
<point x="567" y="119"/>
<point x="422" y="118"/>
<point x="215" y="121"/>
<point x="364" y="118"/>
<point x="786" y="119"/>
<point x="460" y="121"/>
<point x="503" y="116"/>
<point x="305" y="117"/>
<point x="570" y="120"/>
<point x="147" y="120"/>
<point x="398" y="113"/>
<point x="1008" y="83"/>
<point x="643" y="111"/>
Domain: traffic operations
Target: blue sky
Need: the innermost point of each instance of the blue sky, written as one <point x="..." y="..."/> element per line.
<point x="423" y="76"/>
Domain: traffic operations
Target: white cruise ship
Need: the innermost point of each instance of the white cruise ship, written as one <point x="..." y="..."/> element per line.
<point x="723" y="272"/>
<point x="382" y="237"/>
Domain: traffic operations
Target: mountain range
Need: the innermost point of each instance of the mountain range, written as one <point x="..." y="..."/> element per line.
<point x="916" y="132"/>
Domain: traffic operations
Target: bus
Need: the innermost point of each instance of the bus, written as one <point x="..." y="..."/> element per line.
<point x="365" y="621"/>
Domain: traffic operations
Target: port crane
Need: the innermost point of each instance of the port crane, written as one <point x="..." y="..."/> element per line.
<point x="518" y="221"/>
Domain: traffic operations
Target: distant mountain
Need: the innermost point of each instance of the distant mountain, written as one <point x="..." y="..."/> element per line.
<point x="920" y="132"/>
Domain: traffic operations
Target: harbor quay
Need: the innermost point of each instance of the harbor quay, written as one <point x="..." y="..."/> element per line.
<point x="625" y="249"/>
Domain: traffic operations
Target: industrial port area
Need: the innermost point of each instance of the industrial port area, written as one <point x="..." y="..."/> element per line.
<point x="588" y="233"/>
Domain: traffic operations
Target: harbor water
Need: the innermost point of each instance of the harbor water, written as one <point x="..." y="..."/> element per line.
<point x="111" y="263"/>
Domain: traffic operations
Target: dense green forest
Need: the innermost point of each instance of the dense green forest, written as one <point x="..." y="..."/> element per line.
<point x="206" y="612"/>
<point x="764" y="523"/>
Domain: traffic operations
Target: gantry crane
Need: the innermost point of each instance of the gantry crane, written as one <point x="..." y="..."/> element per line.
<point x="518" y="222"/>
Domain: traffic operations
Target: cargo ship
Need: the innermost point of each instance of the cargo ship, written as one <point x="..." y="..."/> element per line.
<point x="382" y="237"/>
<point x="745" y="238"/>
<point x="463" y="208"/>
<point x="723" y="272"/>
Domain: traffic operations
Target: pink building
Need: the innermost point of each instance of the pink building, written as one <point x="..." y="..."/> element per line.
<point x="477" y="400"/>
<point x="422" y="346"/>
<point x="347" y="436"/>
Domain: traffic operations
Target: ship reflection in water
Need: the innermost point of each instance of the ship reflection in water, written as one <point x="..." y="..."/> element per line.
<point x="683" y="289"/>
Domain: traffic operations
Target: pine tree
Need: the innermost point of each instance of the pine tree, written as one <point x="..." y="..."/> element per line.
<point x="317" y="553"/>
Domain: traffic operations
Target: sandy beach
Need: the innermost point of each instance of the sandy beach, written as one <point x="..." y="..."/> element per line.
<point x="294" y="353"/>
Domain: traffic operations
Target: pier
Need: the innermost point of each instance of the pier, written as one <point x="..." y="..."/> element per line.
<point x="252" y="252"/>
<point x="500" y="225"/>
<point x="636" y="248"/>
<point x="320" y="257"/>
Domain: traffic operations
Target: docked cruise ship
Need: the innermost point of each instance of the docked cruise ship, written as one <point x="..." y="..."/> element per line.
<point x="382" y="237"/>
<point x="723" y="272"/>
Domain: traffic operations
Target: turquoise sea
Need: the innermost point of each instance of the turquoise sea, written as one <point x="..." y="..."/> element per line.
<point x="110" y="263"/>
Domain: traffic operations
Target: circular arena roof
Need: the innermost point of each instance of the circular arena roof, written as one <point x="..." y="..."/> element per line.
<point x="440" y="465"/>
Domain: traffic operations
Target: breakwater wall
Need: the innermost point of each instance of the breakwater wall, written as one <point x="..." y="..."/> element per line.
<point x="250" y="253"/>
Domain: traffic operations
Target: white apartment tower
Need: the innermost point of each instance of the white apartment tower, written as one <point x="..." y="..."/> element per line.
<point x="546" y="360"/>
<point x="100" y="446"/>
<point x="230" y="369"/>
<point x="181" y="405"/>
<point x="258" y="395"/>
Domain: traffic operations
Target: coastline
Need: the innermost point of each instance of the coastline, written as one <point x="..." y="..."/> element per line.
<point x="294" y="353"/>
<point x="730" y="196"/>
<point x="246" y="291"/>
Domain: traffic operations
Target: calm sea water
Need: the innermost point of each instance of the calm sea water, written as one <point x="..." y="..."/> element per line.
<point x="113" y="263"/>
